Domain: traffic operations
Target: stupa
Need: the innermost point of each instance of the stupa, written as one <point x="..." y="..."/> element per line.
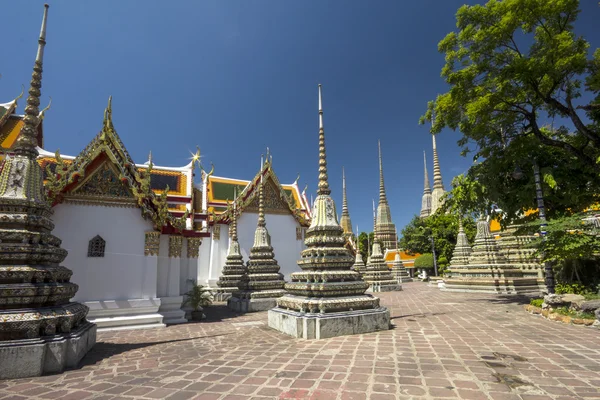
<point x="377" y="274"/>
<point x="426" y="199"/>
<point x="385" y="230"/>
<point x="519" y="253"/>
<point x="41" y="330"/>
<point x="261" y="283"/>
<point x="345" y="221"/>
<point x="438" y="184"/>
<point x="462" y="250"/>
<point x="399" y="272"/>
<point x="234" y="268"/>
<point x="487" y="269"/>
<point x="327" y="298"/>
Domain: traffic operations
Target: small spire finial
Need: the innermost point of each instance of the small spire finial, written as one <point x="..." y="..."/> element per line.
<point x="382" y="197"/>
<point x="27" y="141"/>
<point x="323" y="183"/>
<point x="150" y="158"/>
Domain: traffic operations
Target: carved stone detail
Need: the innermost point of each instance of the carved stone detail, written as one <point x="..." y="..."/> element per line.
<point x="175" y="246"/>
<point x="151" y="243"/>
<point x="217" y="232"/>
<point x="193" y="247"/>
<point x="298" y="233"/>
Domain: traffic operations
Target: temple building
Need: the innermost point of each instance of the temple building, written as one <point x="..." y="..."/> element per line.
<point x="137" y="247"/>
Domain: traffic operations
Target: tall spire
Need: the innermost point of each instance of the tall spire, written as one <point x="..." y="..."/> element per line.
<point x="26" y="143"/>
<point x="261" y="205"/>
<point x="311" y="297"/>
<point x="385" y="228"/>
<point x="345" y="221"/>
<point x="382" y="198"/>
<point x="437" y="172"/>
<point x="36" y="289"/>
<point x="438" y="184"/>
<point x="426" y="200"/>
<point x="323" y="183"/>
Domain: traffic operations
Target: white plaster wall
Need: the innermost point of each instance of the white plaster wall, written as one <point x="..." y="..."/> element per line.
<point x="120" y="274"/>
<point x="282" y="229"/>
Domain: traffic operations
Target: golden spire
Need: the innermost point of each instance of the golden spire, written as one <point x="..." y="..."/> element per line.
<point x="323" y="184"/>
<point x="26" y="143"/>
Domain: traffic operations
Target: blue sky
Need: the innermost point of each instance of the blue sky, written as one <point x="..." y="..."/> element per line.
<point x="234" y="77"/>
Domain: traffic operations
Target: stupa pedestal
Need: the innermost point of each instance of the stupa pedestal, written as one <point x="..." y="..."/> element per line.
<point x="359" y="265"/>
<point x="399" y="272"/>
<point x="261" y="283"/>
<point x="41" y="330"/>
<point x="487" y="270"/>
<point x="518" y="253"/>
<point x="234" y="268"/>
<point x="377" y="273"/>
<point x="327" y="298"/>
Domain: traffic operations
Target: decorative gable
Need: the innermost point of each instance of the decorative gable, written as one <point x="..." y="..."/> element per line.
<point x="274" y="200"/>
<point x="103" y="184"/>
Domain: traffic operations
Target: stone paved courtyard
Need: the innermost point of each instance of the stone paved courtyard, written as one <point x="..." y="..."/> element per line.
<point x="443" y="345"/>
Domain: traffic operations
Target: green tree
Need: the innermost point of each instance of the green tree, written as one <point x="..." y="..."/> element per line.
<point x="444" y="229"/>
<point x="514" y="66"/>
<point x="364" y="240"/>
<point x="424" y="261"/>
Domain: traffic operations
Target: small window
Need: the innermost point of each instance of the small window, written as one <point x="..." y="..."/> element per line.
<point x="96" y="247"/>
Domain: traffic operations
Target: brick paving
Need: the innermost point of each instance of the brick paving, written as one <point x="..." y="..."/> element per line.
<point x="443" y="345"/>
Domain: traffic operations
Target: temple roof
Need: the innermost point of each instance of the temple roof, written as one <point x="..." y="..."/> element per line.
<point x="222" y="191"/>
<point x="11" y="124"/>
<point x="407" y="259"/>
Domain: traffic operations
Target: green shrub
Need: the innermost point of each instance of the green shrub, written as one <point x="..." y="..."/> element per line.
<point x="424" y="261"/>
<point x="571" y="288"/>
<point x="536" y="302"/>
<point x="574" y="314"/>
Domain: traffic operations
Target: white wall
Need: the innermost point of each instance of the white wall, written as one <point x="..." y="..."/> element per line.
<point x="120" y="274"/>
<point x="282" y="229"/>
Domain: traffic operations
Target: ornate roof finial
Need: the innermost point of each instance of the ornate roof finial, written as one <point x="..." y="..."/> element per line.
<point x="323" y="183"/>
<point x="43" y="112"/>
<point x="262" y="161"/>
<point x="382" y="198"/>
<point x="107" y="123"/>
<point x="26" y="143"/>
<point x="150" y="158"/>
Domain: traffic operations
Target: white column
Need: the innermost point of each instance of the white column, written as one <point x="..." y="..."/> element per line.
<point x="170" y="306"/>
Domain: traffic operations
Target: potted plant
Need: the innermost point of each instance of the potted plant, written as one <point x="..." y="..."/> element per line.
<point x="198" y="297"/>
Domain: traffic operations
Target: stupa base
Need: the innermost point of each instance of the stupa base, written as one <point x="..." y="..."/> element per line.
<point x="491" y="280"/>
<point x="251" y="305"/>
<point x="322" y="326"/>
<point x="388" y="287"/>
<point x="47" y="355"/>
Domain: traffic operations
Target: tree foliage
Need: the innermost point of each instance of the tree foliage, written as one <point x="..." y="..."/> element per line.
<point x="424" y="261"/>
<point x="515" y="68"/>
<point x="364" y="240"/>
<point x="444" y="229"/>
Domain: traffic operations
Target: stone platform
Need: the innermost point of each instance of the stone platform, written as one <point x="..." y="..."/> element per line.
<point x="323" y="326"/>
<point x="491" y="279"/>
<point x="46" y="355"/>
<point x="251" y="305"/>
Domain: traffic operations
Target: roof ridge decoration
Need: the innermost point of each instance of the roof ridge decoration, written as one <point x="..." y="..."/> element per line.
<point x="249" y="194"/>
<point x="68" y="177"/>
<point x="10" y="107"/>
